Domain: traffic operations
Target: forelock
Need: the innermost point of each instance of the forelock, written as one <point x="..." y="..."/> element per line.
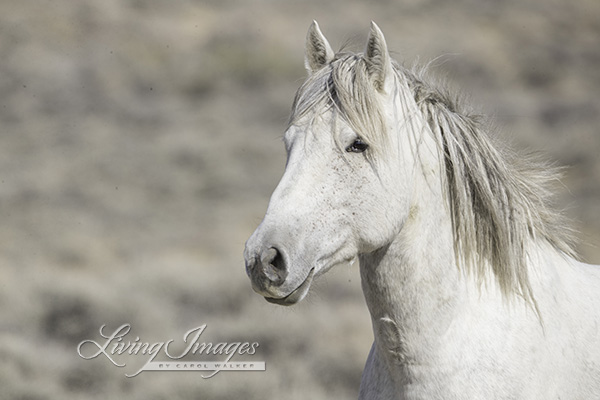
<point x="344" y="87"/>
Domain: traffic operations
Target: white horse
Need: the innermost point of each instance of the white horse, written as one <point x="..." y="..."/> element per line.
<point x="466" y="269"/>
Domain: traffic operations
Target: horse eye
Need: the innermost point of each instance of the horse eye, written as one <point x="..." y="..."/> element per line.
<point x="358" y="146"/>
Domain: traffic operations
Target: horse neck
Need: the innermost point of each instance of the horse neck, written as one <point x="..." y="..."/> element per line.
<point x="414" y="282"/>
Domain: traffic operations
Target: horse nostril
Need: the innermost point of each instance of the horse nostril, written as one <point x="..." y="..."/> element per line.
<point x="273" y="265"/>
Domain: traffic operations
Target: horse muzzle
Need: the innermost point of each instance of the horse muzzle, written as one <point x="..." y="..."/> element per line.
<point x="268" y="271"/>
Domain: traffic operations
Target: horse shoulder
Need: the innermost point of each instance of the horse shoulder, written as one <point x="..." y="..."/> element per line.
<point x="376" y="382"/>
<point x="569" y="302"/>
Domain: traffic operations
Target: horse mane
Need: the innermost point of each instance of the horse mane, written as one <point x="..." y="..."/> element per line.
<point x="499" y="201"/>
<point x="344" y="87"/>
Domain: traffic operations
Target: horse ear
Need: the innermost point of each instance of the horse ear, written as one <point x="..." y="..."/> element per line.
<point x="318" y="52"/>
<point x="377" y="57"/>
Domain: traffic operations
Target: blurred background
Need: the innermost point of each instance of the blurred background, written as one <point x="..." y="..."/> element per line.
<point x="140" y="141"/>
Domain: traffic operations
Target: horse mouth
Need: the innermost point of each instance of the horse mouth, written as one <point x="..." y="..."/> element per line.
<point x="297" y="295"/>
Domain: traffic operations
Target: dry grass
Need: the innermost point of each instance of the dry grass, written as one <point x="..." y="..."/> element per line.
<point x="140" y="144"/>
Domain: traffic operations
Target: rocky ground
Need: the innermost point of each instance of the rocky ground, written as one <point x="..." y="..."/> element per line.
<point x="140" y="141"/>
